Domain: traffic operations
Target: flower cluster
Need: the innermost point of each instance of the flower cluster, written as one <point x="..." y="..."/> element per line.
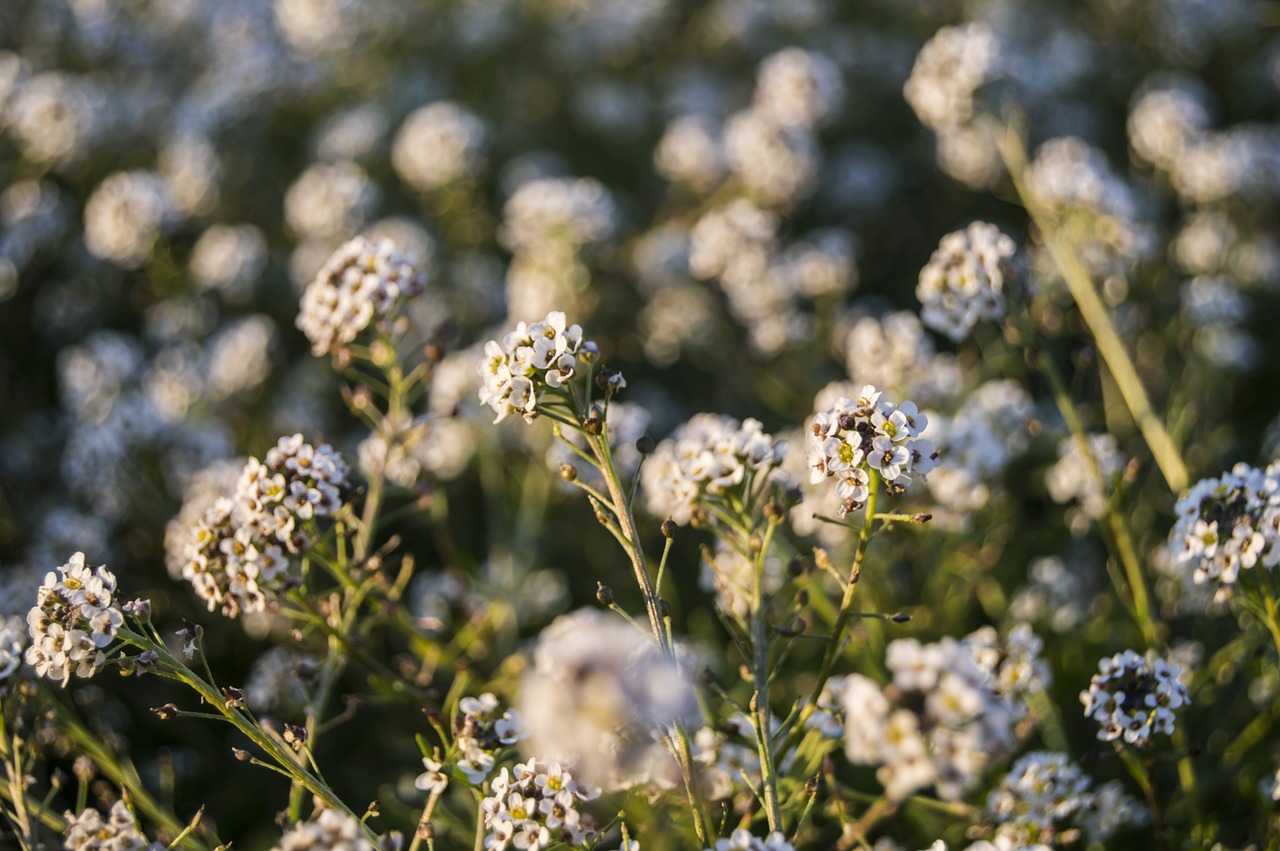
<point x="856" y="436"/>
<point x="89" y="831"/>
<point x="711" y="454"/>
<point x="1075" y="476"/>
<point x="896" y="354"/>
<point x="964" y="280"/>
<point x="599" y="695"/>
<point x="1133" y="696"/>
<point x="362" y="281"/>
<point x="952" y="708"/>
<point x="438" y="144"/>
<point x="979" y="440"/>
<point x="528" y="362"/>
<point x="1229" y="523"/>
<point x="1045" y="794"/>
<point x="74" y="618"/>
<point x="330" y="831"/>
<point x="536" y="806"/>
<point x="236" y="556"/>
<point x="1076" y="186"/>
<point x="13" y="638"/>
<point x="742" y="840"/>
<point x="479" y="730"/>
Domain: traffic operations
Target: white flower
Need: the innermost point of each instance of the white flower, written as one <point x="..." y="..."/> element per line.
<point x="1134" y="696"/>
<point x="708" y="456"/>
<point x="432" y="781"/>
<point x="361" y="282"/>
<point x="74" y="619"/>
<point x="963" y="283"/>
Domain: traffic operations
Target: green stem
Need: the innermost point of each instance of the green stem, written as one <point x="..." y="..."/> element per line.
<point x="760" y="702"/>
<point x="626" y="522"/>
<point x="843" y="616"/>
<point x="1098" y="320"/>
<point x="1122" y="539"/>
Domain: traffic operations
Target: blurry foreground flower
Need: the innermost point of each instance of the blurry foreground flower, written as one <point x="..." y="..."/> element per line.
<point x="602" y="694"/>
<point x="89" y="831"/>
<point x="742" y="840"/>
<point x="74" y="619"/>
<point x="330" y="831"/>
<point x="953" y="707"/>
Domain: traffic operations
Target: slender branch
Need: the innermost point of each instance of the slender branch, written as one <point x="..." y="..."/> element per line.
<point x="1099" y="321"/>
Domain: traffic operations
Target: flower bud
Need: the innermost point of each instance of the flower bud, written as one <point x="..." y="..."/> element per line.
<point x="592" y="425"/>
<point x="140" y="609"/>
<point x="241" y="755"/>
<point x="604" y="594"/>
<point x="669" y="529"/>
<point x="166" y="712"/>
<point x="645" y="444"/>
<point x="568" y="472"/>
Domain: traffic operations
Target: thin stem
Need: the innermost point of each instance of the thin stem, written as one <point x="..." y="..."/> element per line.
<point x="844" y="614"/>
<point x="760" y="702"/>
<point x="1123" y="541"/>
<point x="626" y="523"/>
<point x="1099" y="321"/>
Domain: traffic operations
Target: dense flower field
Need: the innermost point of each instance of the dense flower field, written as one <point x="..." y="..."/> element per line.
<point x="619" y="424"/>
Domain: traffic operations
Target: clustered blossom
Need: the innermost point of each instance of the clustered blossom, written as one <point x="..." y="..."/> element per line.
<point x="1090" y="204"/>
<point x="1045" y="794"/>
<point x="529" y="361"/>
<point x="711" y="454"/>
<point x="869" y="433"/>
<point x="953" y="707"/>
<point x="74" y="618"/>
<point x="480" y="731"/>
<point x="990" y="430"/>
<point x="1075" y="477"/>
<point x="742" y="840"/>
<point x="438" y="144"/>
<point x="535" y="807"/>
<point x="89" y="831"/>
<point x="330" y="831"/>
<point x="236" y="556"/>
<point x="896" y="354"/>
<point x="1134" y="696"/>
<point x="1229" y="523"/>
<point x="361" y="282"/>
<point x="964" y="281"/>
<point x="13" y="638"/>
<point x="601" y="694"/>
